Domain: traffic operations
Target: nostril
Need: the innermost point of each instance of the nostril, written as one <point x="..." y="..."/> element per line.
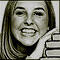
<point x="28" y="24"/>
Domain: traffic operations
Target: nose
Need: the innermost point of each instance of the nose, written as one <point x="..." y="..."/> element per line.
<point x="28" y="21"/>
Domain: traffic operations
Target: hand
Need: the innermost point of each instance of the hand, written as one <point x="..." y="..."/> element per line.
<point x="52" y="51"/>
<point x="40" y="46"/>
<point x="53" y="46"/>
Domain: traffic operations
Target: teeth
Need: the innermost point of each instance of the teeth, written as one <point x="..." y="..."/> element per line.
<point x="28" y="31"/>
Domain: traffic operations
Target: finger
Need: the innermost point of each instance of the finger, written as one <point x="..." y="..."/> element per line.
<point x="48" y="35"/>
<point x="56" y="36"/>
<point x="50" y="59"/>
<point x="52" y="31"/>
<point x="53" y="44"/>
<point x="53" y="53"/>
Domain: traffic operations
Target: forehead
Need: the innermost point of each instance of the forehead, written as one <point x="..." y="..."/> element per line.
<point x="31" y="4"/>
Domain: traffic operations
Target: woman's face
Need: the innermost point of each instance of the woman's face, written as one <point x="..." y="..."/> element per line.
<point x="29" y="21"/>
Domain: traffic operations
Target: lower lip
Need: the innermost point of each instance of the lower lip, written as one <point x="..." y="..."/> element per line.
<point x="28" y="34"/>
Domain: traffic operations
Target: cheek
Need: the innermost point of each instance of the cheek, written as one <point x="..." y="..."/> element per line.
<point x="42" y="23"/>
<point x="17" y="21"/>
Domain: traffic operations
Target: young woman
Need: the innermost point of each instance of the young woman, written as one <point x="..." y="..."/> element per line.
<point x="24" y="24"/>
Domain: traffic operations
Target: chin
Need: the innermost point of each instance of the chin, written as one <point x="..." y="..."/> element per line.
<point x="28" y="42"/>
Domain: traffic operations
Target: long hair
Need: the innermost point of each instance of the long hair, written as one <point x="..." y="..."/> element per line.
<point x="7" y="49"/>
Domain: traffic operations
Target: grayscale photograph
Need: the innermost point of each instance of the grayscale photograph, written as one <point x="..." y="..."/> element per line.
<point x="29" y="30"/>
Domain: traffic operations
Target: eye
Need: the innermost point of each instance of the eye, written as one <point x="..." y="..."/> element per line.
<point x="38" y="13"/>
<point x="19" y="13"/>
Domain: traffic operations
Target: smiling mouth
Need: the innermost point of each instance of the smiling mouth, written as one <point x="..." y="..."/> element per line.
<point x="28" y="32"/>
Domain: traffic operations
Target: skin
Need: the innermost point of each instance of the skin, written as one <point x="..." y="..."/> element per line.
<point x="29" y="21"/>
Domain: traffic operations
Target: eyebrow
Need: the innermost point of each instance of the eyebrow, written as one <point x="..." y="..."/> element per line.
<point x="19" y="8"/>
<point x="39" y="8"/>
